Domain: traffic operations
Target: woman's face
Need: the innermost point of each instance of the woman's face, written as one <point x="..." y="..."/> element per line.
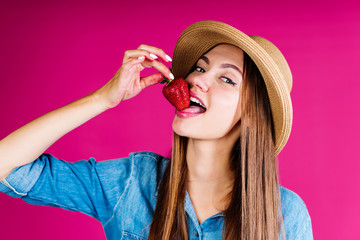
<point x="215" y="83"/>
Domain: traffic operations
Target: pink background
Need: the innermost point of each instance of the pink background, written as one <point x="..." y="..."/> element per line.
<point x="54" y="53"/>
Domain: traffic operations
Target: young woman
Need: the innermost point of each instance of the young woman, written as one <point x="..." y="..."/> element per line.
<point x="221" y="181"/>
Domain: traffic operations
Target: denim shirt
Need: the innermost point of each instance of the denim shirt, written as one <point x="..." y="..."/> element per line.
<point x="121" y="194"/>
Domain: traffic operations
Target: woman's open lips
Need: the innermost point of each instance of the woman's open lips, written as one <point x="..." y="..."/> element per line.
<point x="196" y="100"/>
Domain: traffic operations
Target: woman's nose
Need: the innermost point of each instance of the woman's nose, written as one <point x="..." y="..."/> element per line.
<point x="199" y="82"/>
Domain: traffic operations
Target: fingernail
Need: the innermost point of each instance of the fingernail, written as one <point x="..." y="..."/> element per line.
<point x="153" y="56"/>
<point x="142" y="57"/>
<point x="168" y="58"/>
<point x="171" y="76"/>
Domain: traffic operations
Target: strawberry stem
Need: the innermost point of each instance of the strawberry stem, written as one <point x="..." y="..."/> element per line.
<point x="166" y="80"/>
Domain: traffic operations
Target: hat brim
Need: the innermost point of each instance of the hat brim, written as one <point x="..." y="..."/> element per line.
<point x="199" y="37"/>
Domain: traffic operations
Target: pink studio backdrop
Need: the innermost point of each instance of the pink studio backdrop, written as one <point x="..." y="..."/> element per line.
<point x="54" y="53"/>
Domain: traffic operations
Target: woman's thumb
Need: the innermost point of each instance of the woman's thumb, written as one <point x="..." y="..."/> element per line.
<point x="151" y="79"/>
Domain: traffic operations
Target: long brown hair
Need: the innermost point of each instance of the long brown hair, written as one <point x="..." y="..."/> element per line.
<point x="254" y="211"/>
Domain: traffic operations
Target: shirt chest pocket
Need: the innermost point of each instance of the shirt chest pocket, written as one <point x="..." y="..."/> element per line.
<point x="131" y="236"/>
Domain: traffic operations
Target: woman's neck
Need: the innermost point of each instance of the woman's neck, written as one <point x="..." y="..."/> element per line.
<point x="208" y="161"/>
<point x="210" y="179"/>
<point x="209" y="171"/>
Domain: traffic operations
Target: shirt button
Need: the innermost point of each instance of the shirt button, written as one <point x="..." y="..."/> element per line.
<point x="197" y="234"/>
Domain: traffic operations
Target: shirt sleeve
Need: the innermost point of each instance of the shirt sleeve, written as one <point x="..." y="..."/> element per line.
<point x="297" y="221"/>
<point x="86" y="186"/>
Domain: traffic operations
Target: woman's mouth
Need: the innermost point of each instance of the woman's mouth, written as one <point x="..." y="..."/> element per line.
<point x="195" y="109"/>
<point x="196" y="102"/>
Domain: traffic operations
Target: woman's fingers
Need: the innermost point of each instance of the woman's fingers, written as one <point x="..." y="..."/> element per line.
<point x="127" y="83"/>
<point x="157" y="52"/>
<point x="130" y="54"/>
<point x="158" y="66"/>
<point x="151" y="56"/>
<point x="141" y="62"/>
<point x="151" y="80"/>
<point x="150" y="52"/>
<point x="134" y="62"/>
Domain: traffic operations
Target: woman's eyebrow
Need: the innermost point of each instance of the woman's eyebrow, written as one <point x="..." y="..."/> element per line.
<point x="228" y="65"/>
<point x="205" y="59"/>
<point x="224" y="65"/>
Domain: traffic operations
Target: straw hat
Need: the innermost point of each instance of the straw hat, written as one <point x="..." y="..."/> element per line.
<point x="199" y="37"/>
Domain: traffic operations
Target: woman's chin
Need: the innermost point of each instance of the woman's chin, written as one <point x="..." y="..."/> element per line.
<point x="184" y="128"/>
<point x="179" y="127"/>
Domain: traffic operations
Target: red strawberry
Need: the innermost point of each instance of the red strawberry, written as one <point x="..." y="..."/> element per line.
<point x="177" y="92"/>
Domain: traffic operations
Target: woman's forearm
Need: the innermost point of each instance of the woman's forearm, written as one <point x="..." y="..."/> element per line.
<point x="27" y="143"/>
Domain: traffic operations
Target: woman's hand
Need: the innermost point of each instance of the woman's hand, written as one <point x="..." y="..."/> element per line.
<point x="127" y="83"/>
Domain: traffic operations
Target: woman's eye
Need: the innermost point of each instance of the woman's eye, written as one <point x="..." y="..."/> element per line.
<point x="228" y="80"/>
<point x="199" y="69"/>
<point x="224" y="79"/>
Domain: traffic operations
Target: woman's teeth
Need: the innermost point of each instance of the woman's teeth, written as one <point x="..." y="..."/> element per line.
<point x="195" y="100"/>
